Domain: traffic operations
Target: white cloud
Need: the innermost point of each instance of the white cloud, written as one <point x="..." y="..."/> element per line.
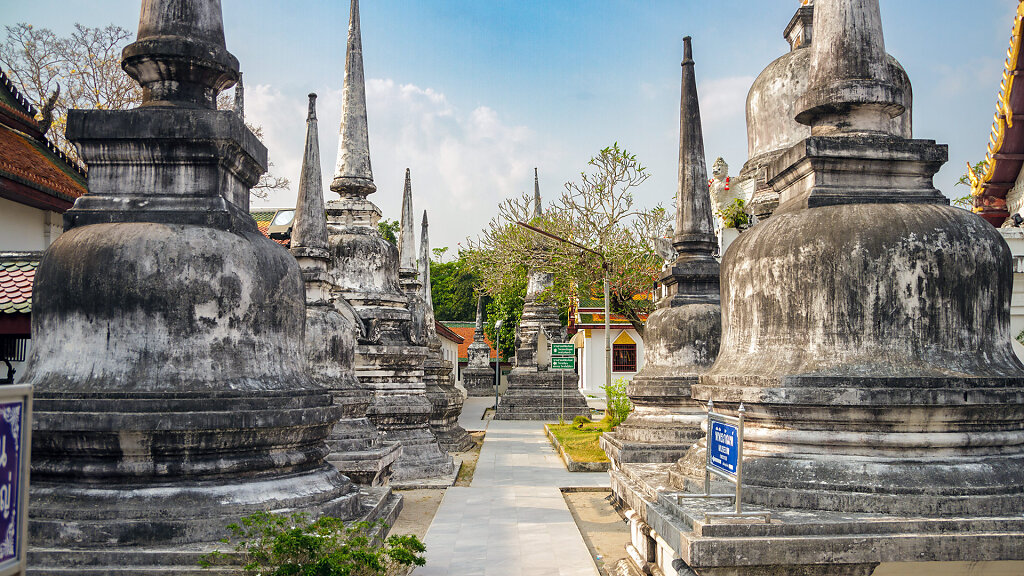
<point x="463" y="162"/>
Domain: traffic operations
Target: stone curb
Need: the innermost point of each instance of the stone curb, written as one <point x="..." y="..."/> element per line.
<point x="572" y="465"/>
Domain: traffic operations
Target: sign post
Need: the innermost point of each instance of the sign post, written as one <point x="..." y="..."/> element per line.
<point x="15" y="447"/>
<point x="563" y="357"/>
<point x="725" y="460"/>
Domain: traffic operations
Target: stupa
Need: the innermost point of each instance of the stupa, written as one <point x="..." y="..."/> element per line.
<point x="331" y="326"/>
<point x="866" y="333"/>
<point x="364" y="270"/>
<point x="771" y="115"/>
<point x="682" y="335"/>
<point x="535" y="392"/>
<point x="478" y="375"/>
<point x="171" y="392"/>
<point x="445" y="399"/>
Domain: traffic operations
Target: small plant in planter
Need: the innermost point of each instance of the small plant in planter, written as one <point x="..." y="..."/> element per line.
<point x="291" y="545"/>
<point x="734" y="216"/>
<point x="619" y="405"/>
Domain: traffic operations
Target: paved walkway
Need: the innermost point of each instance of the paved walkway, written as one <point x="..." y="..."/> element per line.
<point x="512" y="520"/>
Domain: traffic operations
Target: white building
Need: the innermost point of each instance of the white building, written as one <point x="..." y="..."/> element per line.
<point x="587" y="320"/>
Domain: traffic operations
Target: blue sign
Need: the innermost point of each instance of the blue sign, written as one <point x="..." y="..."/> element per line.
<point x="11" y="416"/>
<point x="723" y="446"/>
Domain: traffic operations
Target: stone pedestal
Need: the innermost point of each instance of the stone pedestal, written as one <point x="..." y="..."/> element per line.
<point x="478" y="381"/>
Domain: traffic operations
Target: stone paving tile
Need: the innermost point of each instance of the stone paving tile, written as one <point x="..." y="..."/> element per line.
<point x="471" y="417"/>
<point x="512" y="520"/>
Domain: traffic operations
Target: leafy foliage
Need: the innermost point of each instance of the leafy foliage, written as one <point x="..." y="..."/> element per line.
<point x="974" y="172"/>
<point x="734" y="215"/>
<point x="596" y="212"/>
<point x="619" y="405"/>
<point x="388" y="229"/>
<point x="454" y="289"/>
<point x="507" y="306"/>
<point x="280" y="545"/>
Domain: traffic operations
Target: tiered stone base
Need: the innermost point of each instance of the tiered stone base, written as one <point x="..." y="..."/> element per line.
<point x="358" y="452"/>
<point x="478" y="381"/>
<point x="672" y="535"/>
<point x="653" y="435"/>
<point x="444" y="419"/>
<point x="405" y="420"/>
<point x="375" y="503"/>
<point x="548" y="396"/>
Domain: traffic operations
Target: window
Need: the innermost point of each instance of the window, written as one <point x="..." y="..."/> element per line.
<point x="624" y="358"/>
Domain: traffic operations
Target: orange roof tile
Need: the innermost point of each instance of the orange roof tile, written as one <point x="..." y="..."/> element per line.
<point x="16" y="278"/>
<point x="466" y="329"/>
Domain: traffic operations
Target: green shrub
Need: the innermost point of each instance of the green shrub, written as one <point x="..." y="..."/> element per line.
<point x="734" y="215"/>
<point x="619" y="406"/>
<point x="291" y="545"/>
<point x="580" y="420"/>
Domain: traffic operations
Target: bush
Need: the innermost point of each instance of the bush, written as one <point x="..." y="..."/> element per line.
<point x="619" y="404"/>
<point x="291" y="545"/>
<point x="580" y="420"/>
<point x="734" y="215"/>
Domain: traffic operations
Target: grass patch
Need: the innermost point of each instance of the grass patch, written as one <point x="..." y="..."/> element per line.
<point x="580" y="441"/>
<point x="470" y="459"/>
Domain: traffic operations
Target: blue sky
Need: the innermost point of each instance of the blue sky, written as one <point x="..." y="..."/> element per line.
<point x="472" y="94"/>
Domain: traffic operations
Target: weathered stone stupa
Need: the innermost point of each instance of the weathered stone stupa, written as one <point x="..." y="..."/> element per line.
<point x="171" y="393"/>
<point x="682" y="336"/>
<point x="478" y="375"/>
<point x="446" y="400"/>
<point x="866" y="332"/>
<point x="364" y="270"/>
<point x="771" y="113"/>
<point x="331" y="327"/>
<point x="534" y="391"/>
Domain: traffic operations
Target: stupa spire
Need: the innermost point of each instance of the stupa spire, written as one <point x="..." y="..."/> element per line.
<point x="353" y="176"/>
<point x="853" y="88"/>
<point x="537" y="209"/>
<point x="407" y="238"/>
<point x="478" y="332"/>
<point x="425" y="272"/>
<point x="179" y="56"/>
<point x="695" y="233"/>
<point x="310" y="228"/>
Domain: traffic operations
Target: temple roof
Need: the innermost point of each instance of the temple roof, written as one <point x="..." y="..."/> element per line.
<point x="263" y="219"/>
<point x="465" y="330"/>
<point x="17" y="271"/>
<point x="32" y="170"/>
<point x="1005" y="155"/>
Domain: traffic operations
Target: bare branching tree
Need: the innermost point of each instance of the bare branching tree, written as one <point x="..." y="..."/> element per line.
<point x="83" y="71"/>
<point x="597" y="211"/>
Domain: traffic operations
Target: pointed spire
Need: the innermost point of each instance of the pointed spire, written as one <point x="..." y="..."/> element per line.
<point x="478" y="332"/>
<point x="310" y="227"/>
<point x="353" y="176"/>
<point x="695" y="236"/>
<point x="179" y="57"/>
<point x="425" y="272"/>
<point x="537" y="209"/>
<point x="407" y="238"/>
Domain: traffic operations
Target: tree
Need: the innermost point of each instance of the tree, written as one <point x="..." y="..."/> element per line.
<point x="388" y="229"/>
<point x="600" y="213"/>
<point x="454" y="289"/>
<point x="83" y="71"/>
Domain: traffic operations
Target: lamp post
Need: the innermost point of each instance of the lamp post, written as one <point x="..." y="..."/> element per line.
<point x="497" y="363"/>
<point x="607" y="323"/>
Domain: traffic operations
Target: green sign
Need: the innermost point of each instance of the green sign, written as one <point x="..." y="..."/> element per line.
<point x="565" y="349"/>
<point x="562" y="363"/>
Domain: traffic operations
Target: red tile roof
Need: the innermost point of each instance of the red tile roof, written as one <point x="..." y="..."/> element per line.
<point x="465" y="330"/>
<point x="263" y="219"/>
<point x="446" y="332"/>
<point x="16" y="276"/>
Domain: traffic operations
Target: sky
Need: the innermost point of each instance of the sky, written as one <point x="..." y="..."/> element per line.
<point x="471" y="95"/>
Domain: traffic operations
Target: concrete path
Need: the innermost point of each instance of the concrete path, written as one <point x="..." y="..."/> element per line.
<point x="472" y="416"/>
<point x="512" y="520"/>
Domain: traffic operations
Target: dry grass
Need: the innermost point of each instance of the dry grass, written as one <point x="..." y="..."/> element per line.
<point x="581" y="442"/>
